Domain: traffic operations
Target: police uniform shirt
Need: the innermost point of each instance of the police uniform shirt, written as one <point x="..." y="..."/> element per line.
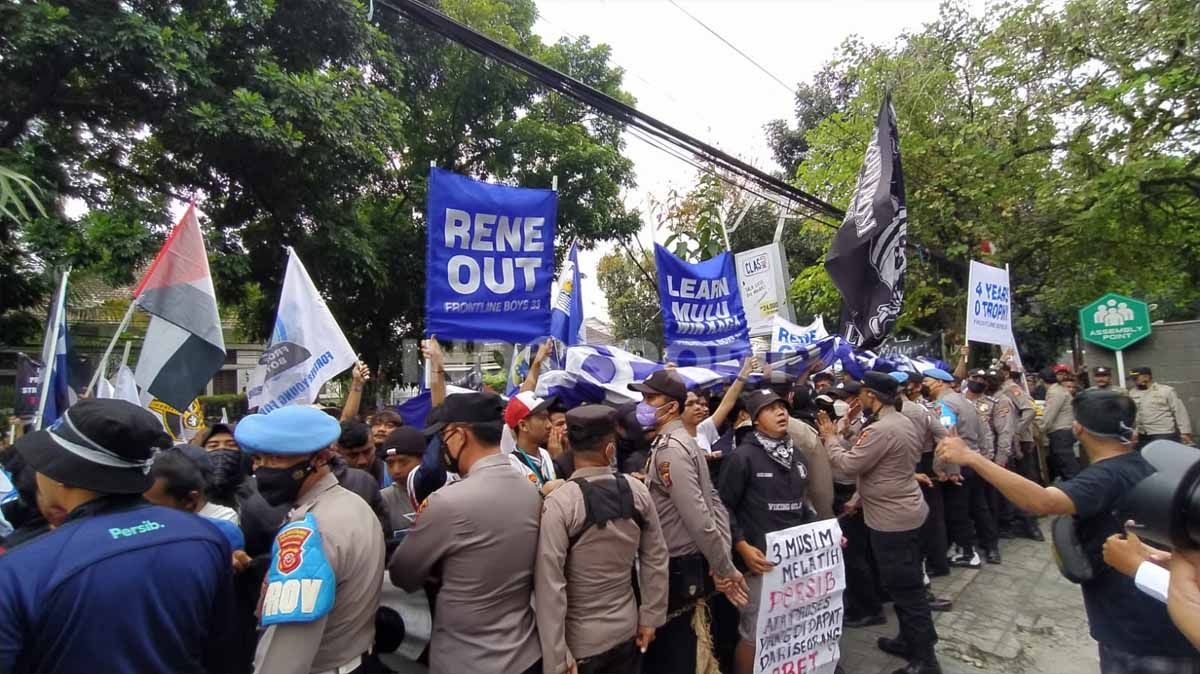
<point x="353" y="547"/>
<point x="883" y="458"/>
<point x="1160" y="411"/>
<point x="987" y="426"/>
<point x="1058" y="415"/>
<point x="136" y="588"/>
<point x="820" y="473"/>
<point x="584" y="598"/>
<point x="968" y="426"/>
<point x="930" y="431"/>
<point x="1025" y="411"/>
<point x="399" y="506"/>
<point x="692" y="516"/>
<point x="1004" y="419"/>
<point x="761" y="495"/>
<point x="482" y="534"/>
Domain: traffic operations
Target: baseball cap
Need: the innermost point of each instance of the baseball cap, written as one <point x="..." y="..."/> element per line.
<point x="465" y="408"/>
<point x="294" y="430"/>
<point x="666" y="382"/>
<point x="404" y="441"/>
<point x="978" y="372"/>
<point x="939" y="374"/>
<point x="1142" y="370"/>
<point x="524" y="404"/>
<point x="1061" y="368"/>
<point x="103" y="445"/>
<point x="757" y="401"/>
<point x="1103" y="370"/>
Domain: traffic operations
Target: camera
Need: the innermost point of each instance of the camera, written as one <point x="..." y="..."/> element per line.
<point x="1166" y="505"/>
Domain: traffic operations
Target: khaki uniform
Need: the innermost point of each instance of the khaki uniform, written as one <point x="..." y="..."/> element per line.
<point x="692" y="516"/>
<point x="985" y="408"/>
<point x="1160" y="411"/>
<point x="1058" y="415"/>
<point x="481" y="533"/>
<point x="584" y="598"/>
<point x="820" y="474"/>
<point x="1025" y="411"/>
<point x="884" y="459"/>
<point x="1004" y="420"/>
<point x="353" y="547"/>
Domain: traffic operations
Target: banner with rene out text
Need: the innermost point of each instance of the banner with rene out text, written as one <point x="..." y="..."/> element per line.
<point x="489" y="260"/>
<point x="703" y="321"/>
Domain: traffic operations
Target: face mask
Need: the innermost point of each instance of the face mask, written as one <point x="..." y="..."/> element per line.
<point x="647" y="415"/>
<point x="926" y="391"/>
<point x="450" y="463"/>
<point x="282" y="485"/>
<point x="227" y="467"/>
<point x="1143" y="387"/>
<point x="976" y="387"/>
<point x="840" y="408"/>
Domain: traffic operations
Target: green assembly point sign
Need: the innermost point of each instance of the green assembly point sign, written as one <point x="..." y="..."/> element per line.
<point x="1115" y="321"/>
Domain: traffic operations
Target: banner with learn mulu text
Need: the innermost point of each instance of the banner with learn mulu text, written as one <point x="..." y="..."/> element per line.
<point x="489" y="261"/>
<point x="703" y="320"/>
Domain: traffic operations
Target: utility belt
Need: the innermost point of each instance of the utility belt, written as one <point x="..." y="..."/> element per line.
<point x="688" y="581"/>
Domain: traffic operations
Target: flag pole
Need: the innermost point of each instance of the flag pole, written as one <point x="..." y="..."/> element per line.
<point x="111" y="345"/>
<point x="50" y="347"/>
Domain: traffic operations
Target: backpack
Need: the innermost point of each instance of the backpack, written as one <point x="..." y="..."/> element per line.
<point x="604" y="501"/>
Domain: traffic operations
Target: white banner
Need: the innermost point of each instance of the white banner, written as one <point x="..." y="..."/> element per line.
<point x="763" y="277"/>
<point x="989" y="306"/>
<point x="800" y="609"/>
<point x="787" y="336"/>
<point x="307" y="348"/>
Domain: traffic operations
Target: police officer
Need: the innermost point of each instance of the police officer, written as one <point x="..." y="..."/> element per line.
<point x="1004" y="420"/>
<point x="120" y="586"/>
<point x="694" y="522"/>
<point x="883" y="459"/>
<point x="966" y="507"/>
<point x="332" y="541"/>
<point x="479" y="536"/>
<point x="1103" y="378"/>
<point x="930" y="473"/>
<point x="1025" y="461"/>
<point x="594" y="528"/>
<point x="757" y="505"/>
<point x="1160" y="413"/>
<point x="1056" y="422"/>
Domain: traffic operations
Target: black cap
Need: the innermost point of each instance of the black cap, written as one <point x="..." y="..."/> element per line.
<point x="588" y="423"/>
<point x="847" y="389"/>
<point x="881" y="383"/>
<point x="757" y="401"/>
<point x="978" y="372"/>
<point x="1105" y="413"/>
<point x="1103" y="370"/>
<point x="196" y="455"/>
<point x="403" y="441"/>
<point x="1142" y="370"/>
<point x="465" y="408"/>
<point x="666" y="382"/>
<point x="104" y="445"/>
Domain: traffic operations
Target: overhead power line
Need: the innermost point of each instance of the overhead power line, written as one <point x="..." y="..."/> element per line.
<point x="734" y="47"/>
<point x="568" y="86"/>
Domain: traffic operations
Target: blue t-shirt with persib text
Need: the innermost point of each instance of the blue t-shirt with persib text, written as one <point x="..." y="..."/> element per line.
<point x="1119" y="615"/>
<point x="127" y="588"/>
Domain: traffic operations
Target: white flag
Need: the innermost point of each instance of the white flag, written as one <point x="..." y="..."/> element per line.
<point x="124" y="386"/>
<point x="306" y="350"/>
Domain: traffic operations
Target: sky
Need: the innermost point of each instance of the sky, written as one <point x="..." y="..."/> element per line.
<point x="685" y="76"/>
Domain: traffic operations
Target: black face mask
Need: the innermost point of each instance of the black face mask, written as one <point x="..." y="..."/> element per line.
<point x="282" y="485"/>
<point x="926" y="392"/>
<point x="976" y="387"/>
<point x="1143" y="387"/>
<point x="450" y="463"/>
<point x="228" y="469"/>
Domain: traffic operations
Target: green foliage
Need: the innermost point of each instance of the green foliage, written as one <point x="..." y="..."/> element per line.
<point x="291" y="123"/>
<point x="235" y="404"/>
<point x="632" y="297"/>
<point x="1066" y="138"/>
<point x="498" y="381"/>
<point x="694" y="219"/>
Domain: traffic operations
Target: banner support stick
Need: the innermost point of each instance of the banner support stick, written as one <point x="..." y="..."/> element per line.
<point x="49" y="355"/>
<point x="554" y="183"/>
<point x="108" y="351"/>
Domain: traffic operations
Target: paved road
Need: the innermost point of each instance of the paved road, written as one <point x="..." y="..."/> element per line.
<point x="1017" y="617"/>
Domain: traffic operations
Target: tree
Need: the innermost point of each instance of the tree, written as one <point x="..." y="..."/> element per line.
<point x="1064" y="139"/>
<point x="632" y="297"/>
<point x="298" y="124"/>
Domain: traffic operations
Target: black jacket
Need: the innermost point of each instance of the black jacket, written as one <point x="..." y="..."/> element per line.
<point x="761" y="495"/>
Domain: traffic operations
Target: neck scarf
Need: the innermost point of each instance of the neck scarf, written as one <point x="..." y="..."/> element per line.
<point x="779" y="450"/>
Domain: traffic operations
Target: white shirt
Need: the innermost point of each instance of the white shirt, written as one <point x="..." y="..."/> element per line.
<point x="543" y="463"/>
<point x="219" y="512"/>
<point x="706" y="434"/>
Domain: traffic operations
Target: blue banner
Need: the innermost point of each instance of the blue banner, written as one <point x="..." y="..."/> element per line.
<point x="566" y="323"/>
<point x="703" y="321"/>
<point x="489" y="260"/>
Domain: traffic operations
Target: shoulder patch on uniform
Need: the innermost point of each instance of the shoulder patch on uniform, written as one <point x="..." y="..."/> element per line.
<point x="664" y="473"/>
<point x="1002" y="410"/>
<point x="291" y="547"/>
<point x="862" y="437"/>
<point x="300" y="584"/>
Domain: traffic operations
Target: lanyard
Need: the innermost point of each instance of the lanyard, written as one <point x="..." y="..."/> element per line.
<point x="528" y="461"/>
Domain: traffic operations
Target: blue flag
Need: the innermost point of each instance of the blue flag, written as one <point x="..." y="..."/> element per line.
<point x="566" y="317"/>
<point x="53" y="385"/>
<point x="489" y="261"/>
<point x="703" y="321"/>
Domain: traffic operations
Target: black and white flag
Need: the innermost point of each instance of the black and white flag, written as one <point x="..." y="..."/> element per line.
<point x="866" y="259"/>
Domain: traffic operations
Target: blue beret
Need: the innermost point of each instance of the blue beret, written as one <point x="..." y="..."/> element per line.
<point x="288" y="431"/>
<point x="939" y="374"/>
<point x="899" y="376"/>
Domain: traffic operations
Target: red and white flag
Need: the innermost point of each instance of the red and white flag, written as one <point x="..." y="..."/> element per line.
<point x="184" y="346"/>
